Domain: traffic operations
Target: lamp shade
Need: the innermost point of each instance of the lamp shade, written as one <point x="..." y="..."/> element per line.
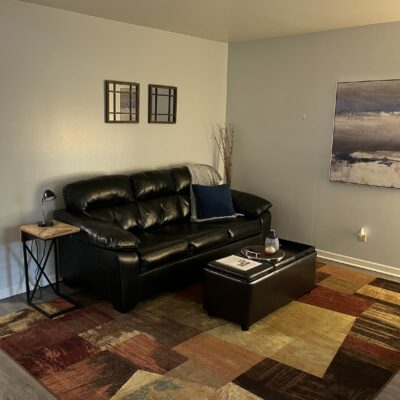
<point x="48" y="195"/>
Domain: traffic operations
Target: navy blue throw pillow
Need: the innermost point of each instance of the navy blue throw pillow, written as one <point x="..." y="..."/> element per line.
<point x="213" y="201"/>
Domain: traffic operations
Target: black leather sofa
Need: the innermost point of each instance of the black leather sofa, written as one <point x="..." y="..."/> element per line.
<point x="136" y="232"/>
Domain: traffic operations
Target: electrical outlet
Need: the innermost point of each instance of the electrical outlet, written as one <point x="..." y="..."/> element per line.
<point x="362" y="234"/>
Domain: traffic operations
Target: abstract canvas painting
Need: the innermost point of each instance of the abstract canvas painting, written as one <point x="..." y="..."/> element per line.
<point x="366" y="136"/>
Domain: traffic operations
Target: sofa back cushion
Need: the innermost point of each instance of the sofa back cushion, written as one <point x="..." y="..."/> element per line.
<point x="149" y="184"/>
<point x="108" y="198"/>
<point x="103" y="191"/>
<point x="159" y="211"/>
<point x="182" y="180"/>
<point x="126" y="216"/>
<point x="161" y="196"/>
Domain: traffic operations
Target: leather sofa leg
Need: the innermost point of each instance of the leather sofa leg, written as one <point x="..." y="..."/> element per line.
<point x="124" y="307"/>
<point x="123" y="280"/>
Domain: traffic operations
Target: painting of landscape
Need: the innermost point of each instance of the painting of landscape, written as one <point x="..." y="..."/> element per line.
<point x="366" y="137"/>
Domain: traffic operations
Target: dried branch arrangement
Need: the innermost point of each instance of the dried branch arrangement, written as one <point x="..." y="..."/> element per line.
<point x="223" y="135"/>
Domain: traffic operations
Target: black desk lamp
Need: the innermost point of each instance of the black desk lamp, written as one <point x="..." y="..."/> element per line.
<point x="48" y="195"/>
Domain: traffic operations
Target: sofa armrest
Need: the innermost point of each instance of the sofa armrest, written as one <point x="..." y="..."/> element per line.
<point x="100" y="233"/>
<point x="249" y="204"/>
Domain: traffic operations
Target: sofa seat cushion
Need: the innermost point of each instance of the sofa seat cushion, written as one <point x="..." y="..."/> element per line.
<point x="155" y="251"/>
<point x="201" y="237"/>
<point x="243" y="227"/>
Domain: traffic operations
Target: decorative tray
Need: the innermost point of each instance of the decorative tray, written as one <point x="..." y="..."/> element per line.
<point x="257" y="252"/>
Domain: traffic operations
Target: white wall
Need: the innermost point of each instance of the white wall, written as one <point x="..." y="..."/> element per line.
<point x="280" y="155"/>
<point x="52" y="69"/>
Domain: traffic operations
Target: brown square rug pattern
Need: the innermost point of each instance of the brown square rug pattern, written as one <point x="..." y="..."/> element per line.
<point x="340" y="341"/>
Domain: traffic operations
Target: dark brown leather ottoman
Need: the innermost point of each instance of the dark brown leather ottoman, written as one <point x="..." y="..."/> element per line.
<point x="244" y="297"/>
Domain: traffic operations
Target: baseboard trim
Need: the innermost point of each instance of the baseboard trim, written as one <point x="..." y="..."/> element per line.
<point x="356" y="262"/>
<point x="12" y="291"/>
<point x="19" y="288"/>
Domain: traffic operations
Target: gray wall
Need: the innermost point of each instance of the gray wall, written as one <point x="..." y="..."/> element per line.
<point x="281" y="98"/>
<point x="52" y="131"/>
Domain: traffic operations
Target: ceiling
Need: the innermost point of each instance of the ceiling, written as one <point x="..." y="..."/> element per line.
<point x="237" y="20"/>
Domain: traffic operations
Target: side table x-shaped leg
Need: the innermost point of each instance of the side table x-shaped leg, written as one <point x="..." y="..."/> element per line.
<point x="32" y="232"/>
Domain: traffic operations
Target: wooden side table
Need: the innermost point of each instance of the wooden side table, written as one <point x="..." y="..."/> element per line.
<point x="47" y="234"/>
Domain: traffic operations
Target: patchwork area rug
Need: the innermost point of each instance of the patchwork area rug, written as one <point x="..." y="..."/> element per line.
<point x="340" y="341"/>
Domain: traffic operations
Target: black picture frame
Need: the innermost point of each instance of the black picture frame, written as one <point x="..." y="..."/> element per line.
<point x="121" y="102"/>
<point x="162" y="104"/>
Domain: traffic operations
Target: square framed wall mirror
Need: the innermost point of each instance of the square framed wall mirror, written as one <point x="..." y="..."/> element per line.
<point x="121" y="102"/>
<point x="162" y="104"/>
